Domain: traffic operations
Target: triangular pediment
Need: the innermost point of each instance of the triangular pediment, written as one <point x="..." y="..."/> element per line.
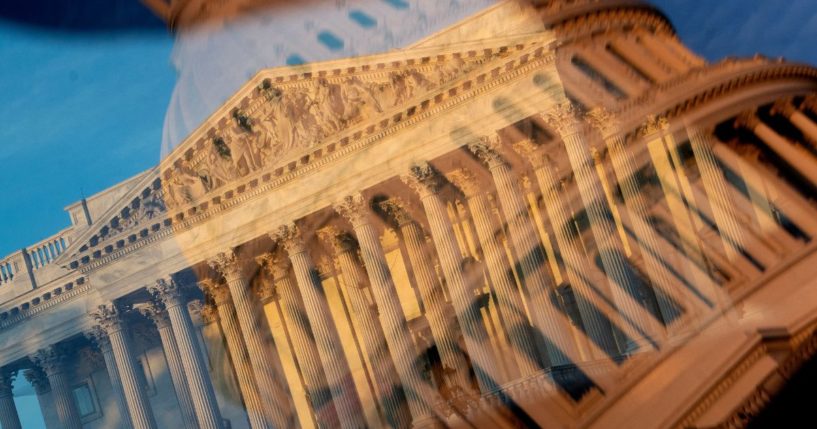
<point x="141" y="208"/>
<point x="282" y="114"/>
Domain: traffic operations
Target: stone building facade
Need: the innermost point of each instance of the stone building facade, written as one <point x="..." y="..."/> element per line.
<point x="549" y="214"/>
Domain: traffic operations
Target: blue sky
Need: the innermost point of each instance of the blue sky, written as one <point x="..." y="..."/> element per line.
<point x="80" y="112"/>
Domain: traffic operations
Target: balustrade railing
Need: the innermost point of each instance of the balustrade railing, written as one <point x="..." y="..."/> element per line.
<point x="46" y="251"/>
<point x="39" y="255"/>
<point x="10" y="266"/>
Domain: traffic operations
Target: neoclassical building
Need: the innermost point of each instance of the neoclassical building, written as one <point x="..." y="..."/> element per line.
<point x="548" y="215"/>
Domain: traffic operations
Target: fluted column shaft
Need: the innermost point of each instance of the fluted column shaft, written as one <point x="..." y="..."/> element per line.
<point x="510" y="303"/>
<point x="468" y="313"/>
<point x="597" y="327"/>
<point x="235" y="345"/>
<point x="271" y="384"/>
<point x="391" y="396"/>
<point x="755" y="176"/>
<point x="392" y="318"/>
<point x="104" y="345"/>
<point x="306" y="352"/>
<point x="139" y="407"/>
<point x="63" y="398"/>
<point x="647" y="241"/>
<point x="174" y="363"/>
<point x="9" y="419"/>
<point x="797" y="156"/>
<point x="537" y="282"/>
<point x="723" y="209"/>
<point x="208" y="414"/>
<point x="338" y="376"/>
<point x="435" y="304"/>
<point x="798" y="118"/>
<point x="604" y="233"/>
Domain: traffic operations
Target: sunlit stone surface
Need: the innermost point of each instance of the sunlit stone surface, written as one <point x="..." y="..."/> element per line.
<point x="548" y="214"/>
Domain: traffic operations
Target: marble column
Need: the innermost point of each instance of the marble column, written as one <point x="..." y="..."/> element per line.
<point x="426" y="182"/>
<point x="271" y="383"/>
<point x="509" y="300"/>
<point x="803" y="161"/>
<point x="238" y="353"/>
<point x="537" y="282"/>
<point x="437" y="309"/>
<point x="563" y="121"/>
<point x="596" y="326"/>
<point x="759" y="178"/>
<point x="303" y="341"/>
<point x="662" y="149"/>
<point x="723" y="209"/>
<point x="208" y="414"/>
<point x="37" y="378"/>
<point x="9" y="419"/>
<point x="52" y="360"/>
<point x="799" y="119"/>
<point x="100" y="338"/>
<point x="156" y="311"/>
<point x="109" y="318"/>
<point x="625" y="171"/>
<point x="327" y="339"/>
<point x="390" y="312"/>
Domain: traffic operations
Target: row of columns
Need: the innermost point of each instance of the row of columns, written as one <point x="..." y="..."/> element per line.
<point x="403" y="394"/>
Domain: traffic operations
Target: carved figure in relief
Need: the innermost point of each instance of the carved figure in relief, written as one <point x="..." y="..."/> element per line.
<point x="216" y="170"/>
<point x="183" y="185"/>
<point x="359" y="100"/>
<point x="296" y="118"/>
<point x="241" y="149"/>
<point x="327" y="106"/>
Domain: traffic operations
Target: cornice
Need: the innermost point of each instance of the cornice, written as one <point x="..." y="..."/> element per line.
<point x="469" y="86"/>
<point x="30" y="305"/>
<point x="702" y="85"/>
<point x="572" y="20"/>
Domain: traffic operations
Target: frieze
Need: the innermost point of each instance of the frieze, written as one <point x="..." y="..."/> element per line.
<point x="288" y="117"/>
<point x="529" y="57"/>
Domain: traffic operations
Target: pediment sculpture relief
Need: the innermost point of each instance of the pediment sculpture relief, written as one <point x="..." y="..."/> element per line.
<point x="289" y="117"/>
<point x="144" y="209"/>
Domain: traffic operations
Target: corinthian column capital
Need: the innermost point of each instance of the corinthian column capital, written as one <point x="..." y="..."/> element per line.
<point x="783" y="107"/>
<point x="809" y="102"/>
<point x="747" y="119"/>
<point x="465" y="180"/>
<point x="340" y="241"/>
<point x="487" y="150"/>
<point x="37" y="378"/>
<point x="289" y="236"/>
<point x="201" y="313"/>
<point x="6" y="381"/>
<point x="274" y="264"/>
<point x="216" y="289"/>
<point x="51" y="359"/>
<point x="423" y="179"/>
<point x="353" y="207"/>
<point x="167" y="291"/>
<point x="99" y="337"/>
<point x="562" y="118"/>
<point x="108" y="317"/>
<point x="533" y="152"/>
<point x="231" y="266"/>
<point x="606" y="122"/>
<point x="653" y="125"/>
<point x="156" y="311"/>
<point x="395" y="208"/>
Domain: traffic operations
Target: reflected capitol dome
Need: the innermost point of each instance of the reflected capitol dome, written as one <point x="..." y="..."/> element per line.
<point x="511" y="214"/>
